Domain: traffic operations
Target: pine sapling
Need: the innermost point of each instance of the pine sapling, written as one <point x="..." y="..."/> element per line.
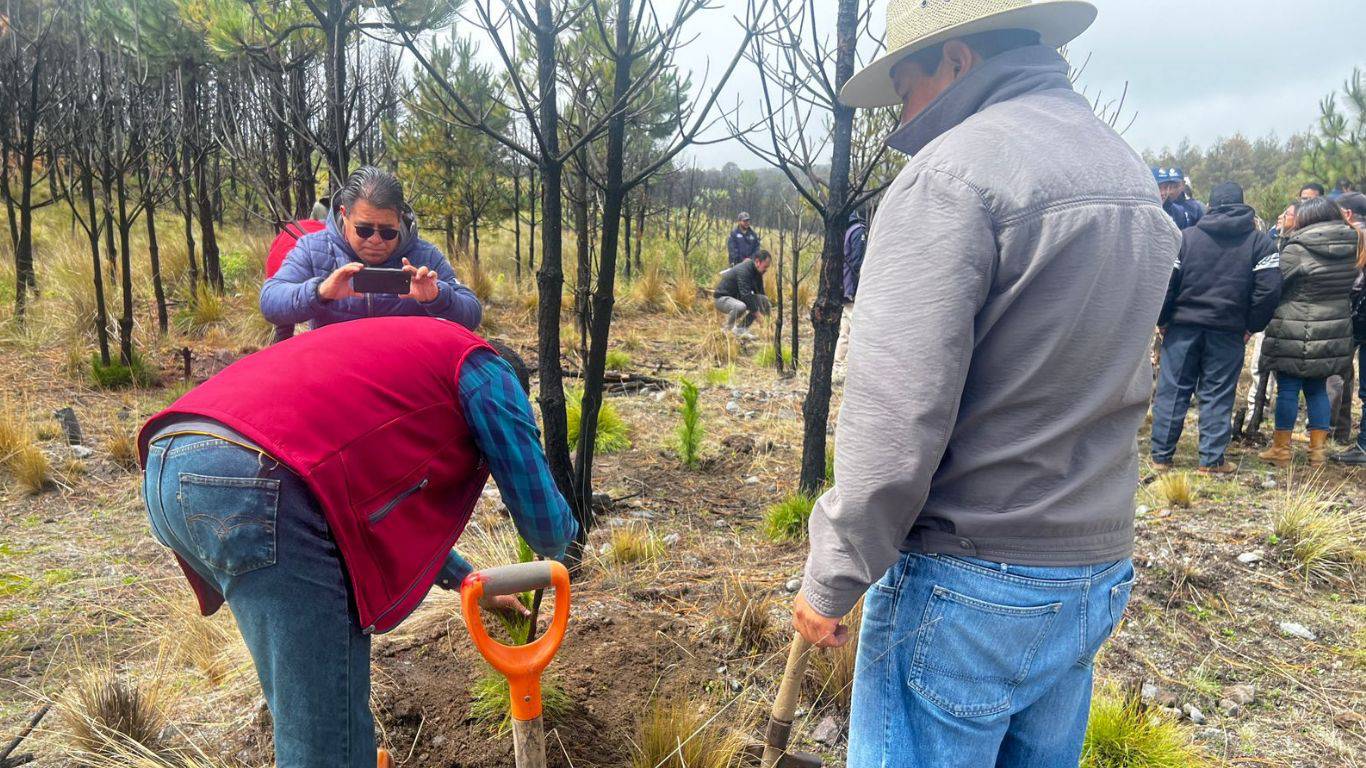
<point x="690" y="431"/>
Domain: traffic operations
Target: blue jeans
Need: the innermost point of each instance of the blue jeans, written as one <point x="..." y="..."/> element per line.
<point x="971" y="664"/>
<point x="1315" y="397"/>
<point x="1202" y="362"/>
<point x="250" y="527"/>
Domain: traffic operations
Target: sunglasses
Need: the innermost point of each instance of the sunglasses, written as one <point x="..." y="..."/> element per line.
<point x="365" y="232"/>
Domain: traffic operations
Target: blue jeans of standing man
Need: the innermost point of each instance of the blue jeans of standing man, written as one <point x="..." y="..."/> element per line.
<point x="965" y="663"/>
<point x="251" y="528"/>
<point x="1315" y="398"/>
<point x="1205" y="363"/>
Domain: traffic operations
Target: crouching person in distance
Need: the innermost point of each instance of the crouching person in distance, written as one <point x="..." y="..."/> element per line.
<point x="318" y="485"/>
<point x="739" y="294"/>
<point x="370" y="225"/>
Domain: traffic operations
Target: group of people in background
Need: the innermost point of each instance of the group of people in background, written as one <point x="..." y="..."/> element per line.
<point x="1296" y="288"/>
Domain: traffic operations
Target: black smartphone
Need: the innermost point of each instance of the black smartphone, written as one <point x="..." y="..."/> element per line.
<point x="381" y="280"/>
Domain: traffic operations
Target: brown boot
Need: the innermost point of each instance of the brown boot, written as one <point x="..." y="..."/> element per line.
<point x="1318" y="446"/>
<point x="1279" y="452"/>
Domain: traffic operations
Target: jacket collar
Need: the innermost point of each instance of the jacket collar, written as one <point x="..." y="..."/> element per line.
<point x="1001" y="78"/>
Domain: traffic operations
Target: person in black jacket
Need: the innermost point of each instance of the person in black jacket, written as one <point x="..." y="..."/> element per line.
<point x="743" y="242"/>
<point x="1225" y="285"/>
<point x="740" y="294"/>
<point x="1354" y="207"/>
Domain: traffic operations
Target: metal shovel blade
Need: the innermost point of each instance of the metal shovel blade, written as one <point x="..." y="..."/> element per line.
<point x="788" y="759"/>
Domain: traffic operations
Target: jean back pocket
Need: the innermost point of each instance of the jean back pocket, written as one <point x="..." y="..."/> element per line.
<point x="971" y="655"/>
<point x="231" y="520"/>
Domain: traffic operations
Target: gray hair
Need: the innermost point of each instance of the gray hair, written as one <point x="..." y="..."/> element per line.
<point x="375" y="186"/>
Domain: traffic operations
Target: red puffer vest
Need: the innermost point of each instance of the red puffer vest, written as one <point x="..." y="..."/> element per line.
<point x="367" y="414"/>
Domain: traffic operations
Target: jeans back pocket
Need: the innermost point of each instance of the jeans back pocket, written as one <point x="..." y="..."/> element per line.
<point x="231" y="520"/>
<point x="971" y="655"/>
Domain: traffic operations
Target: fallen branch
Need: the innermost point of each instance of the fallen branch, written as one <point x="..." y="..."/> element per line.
<point x="6" y="761"/>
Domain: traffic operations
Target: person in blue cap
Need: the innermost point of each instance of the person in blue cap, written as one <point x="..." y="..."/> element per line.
<point x="1171" y="182"/>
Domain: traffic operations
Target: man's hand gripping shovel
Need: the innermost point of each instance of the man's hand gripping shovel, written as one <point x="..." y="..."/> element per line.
<point x="521" y="665"/>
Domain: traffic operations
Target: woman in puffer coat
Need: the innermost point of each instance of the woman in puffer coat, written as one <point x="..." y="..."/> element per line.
<point x="1310" y="336"/>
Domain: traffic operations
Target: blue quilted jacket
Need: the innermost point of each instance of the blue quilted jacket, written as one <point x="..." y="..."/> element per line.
<point x="291" y="295"/>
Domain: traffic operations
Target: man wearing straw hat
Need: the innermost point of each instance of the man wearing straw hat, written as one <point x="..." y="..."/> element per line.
<point x="998" y="375"/>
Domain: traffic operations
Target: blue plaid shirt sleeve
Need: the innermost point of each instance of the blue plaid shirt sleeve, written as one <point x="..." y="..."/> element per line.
<point x="500" y="417"/>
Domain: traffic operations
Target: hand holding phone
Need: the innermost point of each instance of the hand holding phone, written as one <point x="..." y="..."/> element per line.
<point x="424" y="286"/>
<point x="381" y="280"/>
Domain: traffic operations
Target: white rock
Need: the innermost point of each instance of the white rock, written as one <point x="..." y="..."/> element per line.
<point x="1194" y="713"/>
<point x="1294" y="629"/>
<point x="752" y="480"/>
<point x="1142" y="510"/>
<point x="827" y="732"/>
<point x="793" y="585"/>
<point x="1248" y="558"/>
<point x="659" y="396"/>
<point x="1230" y="708"/>
<point x="1148" y="692"/>
<point x="736" y="394"/>
<point x="732" y="407"/>
<point x="1268" y="484"/>
<point x="82" y="452"/>
<point x="670" y="539"/>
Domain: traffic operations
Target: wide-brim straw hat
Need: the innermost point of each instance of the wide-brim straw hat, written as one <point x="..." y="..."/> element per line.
<point x="914" y="25"/>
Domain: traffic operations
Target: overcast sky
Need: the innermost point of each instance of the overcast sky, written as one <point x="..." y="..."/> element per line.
<point x="1196" y="69"/>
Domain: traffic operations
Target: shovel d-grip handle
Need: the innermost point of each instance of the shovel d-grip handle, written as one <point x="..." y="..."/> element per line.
<point x="522" y="664"/>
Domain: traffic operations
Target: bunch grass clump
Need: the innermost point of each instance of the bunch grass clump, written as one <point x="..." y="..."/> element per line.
<point x="767" y="357"/>
<point x="1324" y="540"/>
<point x="684" y="733"/>
<point x="651" y="291"/>
<point x="786" y="520"/>
<point x="206" y="310"/>
<point x="690" y="430"/>
<point x="116" y="375"/>
<point x="634" y="544"/>
<point x="614" y="435"/>
<point x="618" y="360"/>
<point x="683" y="294"/>
<point x="102" y="710"/>
<point x="491" y="703"/>
<point x="1175" y="489"/>
<point x="1124" y="732"/>
<point x="123" y="450"/>
<point x="20" y="454"/>
<point x="746" y="612"/>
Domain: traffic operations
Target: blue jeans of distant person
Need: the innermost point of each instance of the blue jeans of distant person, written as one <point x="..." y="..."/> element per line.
<point x="1288" y="390"/>
<point x="250" y="527"/>
<point x="1202" y="362"/>
<point x="964" y="663"/>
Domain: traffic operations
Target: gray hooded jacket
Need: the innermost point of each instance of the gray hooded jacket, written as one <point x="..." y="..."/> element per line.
<point x="998" y="368"/>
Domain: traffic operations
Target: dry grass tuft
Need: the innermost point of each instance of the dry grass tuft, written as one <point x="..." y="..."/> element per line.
<point x="1174" y="489"/>
<point x="650" y="292"/>
<point x="210" y="645"/>
<point x="479" y="280"/>
<point x="720" y="348"/>
<point x="103" y="712"/>
<point x="31" y="469"/>
<point x="206" y="310"/>
<point x="746" y="613"/>
<point x="1325" y="541"/>
<point x="123" y="450"/>
<point x="634" y="544"/>
<point x="830" y="671"/>
<point x="683" y="294"/>
<point x="683" y="733"/>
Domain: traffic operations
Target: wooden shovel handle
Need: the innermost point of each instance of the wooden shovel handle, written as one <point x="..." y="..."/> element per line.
<point x="785" y="706"/>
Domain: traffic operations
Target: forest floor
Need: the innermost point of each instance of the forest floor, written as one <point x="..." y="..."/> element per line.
<point x="701" y="622"/>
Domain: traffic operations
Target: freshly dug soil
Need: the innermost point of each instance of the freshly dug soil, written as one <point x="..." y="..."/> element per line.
<point x="610" y="668"/>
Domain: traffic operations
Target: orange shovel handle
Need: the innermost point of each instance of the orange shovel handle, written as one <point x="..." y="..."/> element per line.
<point x="521" y="665"/>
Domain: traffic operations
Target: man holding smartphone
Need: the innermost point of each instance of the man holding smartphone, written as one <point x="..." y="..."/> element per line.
<point x="368" y="262"/>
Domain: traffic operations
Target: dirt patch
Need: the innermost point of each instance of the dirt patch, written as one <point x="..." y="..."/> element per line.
<point x="611" y="668"/>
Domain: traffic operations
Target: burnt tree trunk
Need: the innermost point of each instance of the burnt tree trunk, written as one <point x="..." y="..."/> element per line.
<point x="825" y="313"/>
<point x="101" y="311"/>
<point x="550" y="279"/>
